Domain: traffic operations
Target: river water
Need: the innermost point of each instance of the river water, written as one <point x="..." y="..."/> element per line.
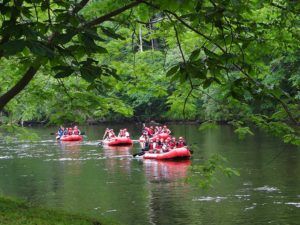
<point x="110" y="183"/>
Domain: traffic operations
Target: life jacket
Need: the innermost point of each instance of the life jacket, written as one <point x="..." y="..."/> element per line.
<point x="145" y="130"/>
<point x="76" y="132"/>
<point x="150" y="132"/>
<point x="60" y="132"/>
<point x="151" y="146"/>
<point x="111" y="134"/>
<point x="70" y="132"/>
<point x="180" y="144"/>
<point x="172" y="144"/>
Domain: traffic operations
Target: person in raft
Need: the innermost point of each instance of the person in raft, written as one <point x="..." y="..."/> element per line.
<point x="180" y="143"/>
<point x="121" y="133"/>
<point x="70" y="131"/>
<point x="165" y="130"/>
<point x="143" y="140"/>
<point x="60" y="132"/>
<point x="109" y="134"/>
<point x="172" y="143"/>
<point x="126" y="133"/>
<point x="76" y="131"/>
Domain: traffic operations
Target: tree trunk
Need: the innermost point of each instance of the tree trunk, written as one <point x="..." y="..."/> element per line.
<point x="19" y="86"/>
<point x="140" y="38"/>
<point x="152" y="40"/>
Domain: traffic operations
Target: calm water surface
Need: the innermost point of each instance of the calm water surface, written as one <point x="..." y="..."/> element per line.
<point x="108" y="182"/>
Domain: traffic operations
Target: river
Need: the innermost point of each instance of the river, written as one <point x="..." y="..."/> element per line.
<point x="110" y="183"/>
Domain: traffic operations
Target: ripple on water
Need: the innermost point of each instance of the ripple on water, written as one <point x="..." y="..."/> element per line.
<point x="6" y="157"/>
<point x="251" y="207"/>
<point x="209" y="198"/>
<point x="296" y="204"/>
<point x="266" y="189"/>
<point x="243" y="197"/>
<point x="91" y="143"/>
<point x="247" y="183"/>
<point x="109" y="211"/>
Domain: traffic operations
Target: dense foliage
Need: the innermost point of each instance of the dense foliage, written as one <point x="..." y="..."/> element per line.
<point x="207" y="60"/>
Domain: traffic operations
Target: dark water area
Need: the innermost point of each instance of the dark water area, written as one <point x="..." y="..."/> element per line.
<point x="109" y="182"/>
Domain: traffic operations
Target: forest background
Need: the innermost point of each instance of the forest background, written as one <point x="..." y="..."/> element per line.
<point x="200" y="60"/>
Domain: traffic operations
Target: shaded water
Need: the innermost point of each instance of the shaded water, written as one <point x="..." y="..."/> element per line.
<point x="108" y="182"/>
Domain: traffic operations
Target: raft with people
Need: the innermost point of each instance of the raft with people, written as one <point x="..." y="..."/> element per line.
<point x="176" y="153"/>
<point x="122" y="139"/>
<point x="69" y="134"/>
<point x="72" y="137"/>
<point x="118" y="141"/>
<point x="159" y="144"/>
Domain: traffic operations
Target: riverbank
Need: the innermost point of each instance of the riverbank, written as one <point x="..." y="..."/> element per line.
<point x="14" y="212"/>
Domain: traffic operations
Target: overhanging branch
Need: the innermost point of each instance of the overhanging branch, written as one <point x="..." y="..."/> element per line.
<point x="28" y="76"/>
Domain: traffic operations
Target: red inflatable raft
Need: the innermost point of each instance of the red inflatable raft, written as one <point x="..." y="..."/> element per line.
<point x="72" y="137"/>
<point x="172" y="154"/>
<point x="118" y="141"/>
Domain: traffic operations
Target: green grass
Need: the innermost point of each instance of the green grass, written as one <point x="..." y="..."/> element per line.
<point x="15" y="212"/>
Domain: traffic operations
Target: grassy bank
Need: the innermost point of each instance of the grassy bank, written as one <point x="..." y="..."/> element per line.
<point x="14" y="212"/>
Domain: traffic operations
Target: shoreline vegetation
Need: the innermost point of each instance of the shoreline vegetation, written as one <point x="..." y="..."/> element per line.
<point x="17" y="212"/>
<point x="151" y="122"/>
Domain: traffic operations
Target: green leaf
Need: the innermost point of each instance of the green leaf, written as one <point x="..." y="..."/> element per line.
<point x="207" y="83"/>
<point x="92" y="33"/>
<point x="90" y="72"/>
<point x="45" y="5"/>
<point x="172" y="71"/>
<point x="100" y="49"/>
<point x="111" y="33"/>
<point x="63" y="74"/>
<point x="211" y="54"/>
<point x="64" y="38"/>
<point x="13" y="47"/>
<point x="38" y="48"/>
<point x="195" y="54"/>
<point x="64" y="71"/>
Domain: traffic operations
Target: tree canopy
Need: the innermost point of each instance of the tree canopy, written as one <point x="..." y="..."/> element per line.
<point x="207" y="60"/>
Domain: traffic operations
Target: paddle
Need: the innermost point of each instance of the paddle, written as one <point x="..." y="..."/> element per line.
<point x="104" y="134"/>
<point x="139" y="154"/>
<point x="144" y="150"/>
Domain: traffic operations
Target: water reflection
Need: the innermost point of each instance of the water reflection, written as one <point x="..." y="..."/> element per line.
<point x="72" y="146"/>
<point x="167" y="185"/>
<point x="118" y="158"/>
<point x="157" y="170"/>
